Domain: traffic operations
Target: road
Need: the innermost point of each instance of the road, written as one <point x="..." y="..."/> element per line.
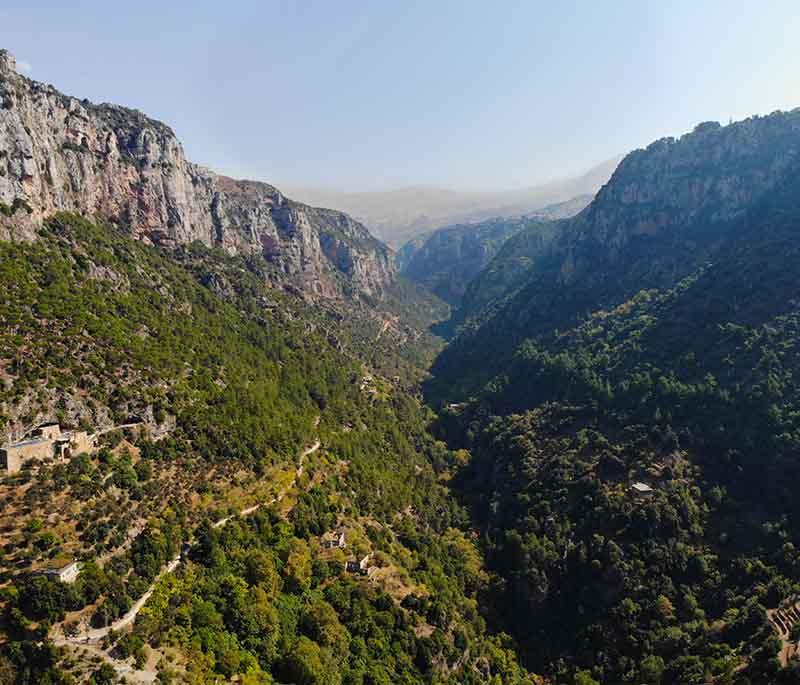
<point x="299" y="472"/>
<point x="93" y="636"/>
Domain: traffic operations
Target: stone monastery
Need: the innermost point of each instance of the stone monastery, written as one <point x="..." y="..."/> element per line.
<point x="47" y="443"/>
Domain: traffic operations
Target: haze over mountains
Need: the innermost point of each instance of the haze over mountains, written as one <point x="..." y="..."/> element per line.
<point x="283" y="477"/>
<point x="116" y="163"/>
<point x="446" y="260"/>
<point x="396" y="216"/>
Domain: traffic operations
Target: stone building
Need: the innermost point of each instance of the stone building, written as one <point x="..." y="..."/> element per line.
<point x="13" y="456"/>
<point x="45" y="442"/>
<point x="50" y="430"/>
<point x="66" y="574"/>
<point x="640" y="488"/>
<point x="334" y="539"/>
<point x="68" y="444"/>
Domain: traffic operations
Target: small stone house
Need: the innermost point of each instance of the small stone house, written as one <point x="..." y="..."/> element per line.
<point x="361" y="567"/>
<point x="335" y="539"/>
<point x="66" y="574"/>
<point x="45" y="442"/>
<point x="640" y="488"/>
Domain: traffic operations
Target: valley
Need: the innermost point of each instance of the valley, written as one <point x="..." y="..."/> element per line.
<point x="245" y="441"/>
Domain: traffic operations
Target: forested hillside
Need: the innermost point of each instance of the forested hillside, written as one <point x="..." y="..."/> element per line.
<point x="452" y="256"/>
<point x="633" y="426"/>
<point x="234" y="451"/>
<point x="241" y="399"/>
<point x="666" y="211"/>
<point x="447" y="260"/>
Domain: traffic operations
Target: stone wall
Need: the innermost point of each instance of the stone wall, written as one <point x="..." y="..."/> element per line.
<point x="12" y="457"/>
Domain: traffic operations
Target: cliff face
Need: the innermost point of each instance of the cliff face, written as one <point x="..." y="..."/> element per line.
<point x="60" y="153"/>
<point x="668" y="211"/>
<point x="683" y="187"/>
<point x="665" y="210"/>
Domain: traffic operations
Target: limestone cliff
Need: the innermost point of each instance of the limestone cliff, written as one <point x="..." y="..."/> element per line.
<point x="61" y="153"/>
<point x="669" y="211"/>
<point x="665" y="210"/>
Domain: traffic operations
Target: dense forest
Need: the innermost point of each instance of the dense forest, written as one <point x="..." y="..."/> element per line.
<point x="595" y="485"/>
<point x="225" y="380"/>
<point x="633" y="452"/>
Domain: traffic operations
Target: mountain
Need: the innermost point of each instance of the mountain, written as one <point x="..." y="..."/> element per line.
<point x="229" y="428"/>
<point x="204" y="383"/>
<point x="217" y="465"/>
<point x="449" y="258"/>
<point x="666" y="211"/>
<point x="397" y="216"/>
<point x="60" y="153"/>
<point x="631" y="412"/>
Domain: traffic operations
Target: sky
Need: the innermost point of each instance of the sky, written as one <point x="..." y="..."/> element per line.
<point x="375" y="95"/>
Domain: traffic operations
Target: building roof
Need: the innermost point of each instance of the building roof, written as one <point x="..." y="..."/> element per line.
<point x="61" y="569"/>
<point x="32" y="441"/>
<point x="642" y="487"/>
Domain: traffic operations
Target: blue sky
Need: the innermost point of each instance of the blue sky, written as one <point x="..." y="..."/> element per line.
<point x="373" y="95"/>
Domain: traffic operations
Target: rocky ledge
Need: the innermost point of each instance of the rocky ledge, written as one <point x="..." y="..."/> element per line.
<point x="58" y="153"/>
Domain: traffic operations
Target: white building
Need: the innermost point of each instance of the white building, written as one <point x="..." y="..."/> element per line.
<point x="66" y="574"/>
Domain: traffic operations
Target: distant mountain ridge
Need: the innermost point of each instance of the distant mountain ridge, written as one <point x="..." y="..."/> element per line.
<point x="447" y="260"/>
<point x="60" y="153"/>
<point x="667" y="210"/>
<point x="397" y="216"/>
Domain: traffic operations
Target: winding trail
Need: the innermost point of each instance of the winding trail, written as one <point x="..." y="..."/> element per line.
<point x="299" y="472"/>
<point x="121" y="426"/>
<point x="93" y="636"/>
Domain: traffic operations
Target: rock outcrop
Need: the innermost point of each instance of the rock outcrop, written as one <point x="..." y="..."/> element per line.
<point x="669" y="211"/>
<point x="60" y="153"/>
<point x="447" y="260"/>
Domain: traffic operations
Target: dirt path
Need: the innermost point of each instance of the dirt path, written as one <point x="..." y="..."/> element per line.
<point x="121" y="426"/>
<point x="94" y="635"/>
<point x="383" y="330"/>
<point x="89" y="639"/>
<point x="306" y="452"/>
<point x="250" y="510"/>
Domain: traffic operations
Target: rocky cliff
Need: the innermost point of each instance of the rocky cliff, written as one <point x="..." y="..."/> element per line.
<point x="668" y="210"/>
<point x="447" y="260"/>
<point x="61" y="153"/>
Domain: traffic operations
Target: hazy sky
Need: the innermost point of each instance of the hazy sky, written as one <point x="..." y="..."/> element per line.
<point x="380" y="94"/>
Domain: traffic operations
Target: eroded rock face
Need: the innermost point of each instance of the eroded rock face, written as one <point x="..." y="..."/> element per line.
<point x="666" y="210"/>
<point x="59" y="153"/>
<point x="709" y="177"/>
